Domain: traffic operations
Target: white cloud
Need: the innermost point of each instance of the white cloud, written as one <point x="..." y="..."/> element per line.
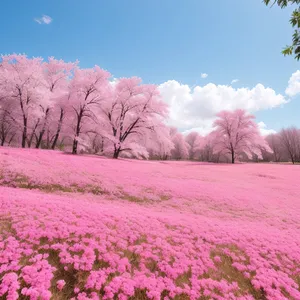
<point x="43" y="20"/>
<point x="234" y="81"/>
<point x="196" y="108"/>
<point x="294" y="84"/>
<point x="204" y="129"/>
<point x="204" y="75"/>
<point x="264" y="130"/>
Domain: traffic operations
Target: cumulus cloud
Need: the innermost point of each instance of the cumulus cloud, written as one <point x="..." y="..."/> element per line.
<point x="195" y="109"/>
<point x="204" y="75"/>
<point x="264" y="130"/>
<point x="234" y="81"/>
<point x="44" y="20"/>
<point x="204" y="129"/>
<point x="293" y="87"/>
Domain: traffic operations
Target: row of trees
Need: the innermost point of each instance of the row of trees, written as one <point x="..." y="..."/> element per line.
<point x="285" y="146"/>
<point x="235" y="136"/>
<point x="53" y="104"/>
<point x="56" y="105"/>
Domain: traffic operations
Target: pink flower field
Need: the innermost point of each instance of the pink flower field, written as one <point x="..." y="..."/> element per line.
<point x="87" y="227"/>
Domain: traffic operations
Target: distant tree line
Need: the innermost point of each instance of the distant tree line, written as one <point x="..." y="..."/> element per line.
<point x="283" y="146"/>
<point x="57" y="105"/>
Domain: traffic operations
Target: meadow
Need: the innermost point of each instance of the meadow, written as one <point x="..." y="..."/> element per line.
<point x="88" y="227"/>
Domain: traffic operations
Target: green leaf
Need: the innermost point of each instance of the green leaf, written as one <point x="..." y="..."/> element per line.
<point x="295" y="22"/>
<point x="288" y="50"/>
<point x="295" y="19"/>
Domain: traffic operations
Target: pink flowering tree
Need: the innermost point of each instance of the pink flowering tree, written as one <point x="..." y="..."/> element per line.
<point x="57" y="121"/>
<point x="208" y="148"/>
<point x="8" y="129"/>
<point x="236" y="133"/>
<point x="97" y="143"/>
<point x="22" y="86"/>
<point x="158" y="143"/>
<point x="88" y="89"/>
<point x="57" y="75"/>
<point x="195" y="142"/>
<point x="290" y="139"/>
<point x="181" y="147"/>
<point x="133" y="110"/>
<point x="275" y="143"/>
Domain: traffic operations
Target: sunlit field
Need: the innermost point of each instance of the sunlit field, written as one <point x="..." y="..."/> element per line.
<point x="87" y="227"/>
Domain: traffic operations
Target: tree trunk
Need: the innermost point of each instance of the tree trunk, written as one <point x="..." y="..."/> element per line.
<point x="75" y="142"/>
<point x="40" y="138"/>
<point x="30" y="140"/>
<point x="116" y="153"/>
<point x="55" y="139"/>
<point x="232" y="157"/>
<point x="293" y="160"/>
<point x="11" y="138"/>
<point x="24" y="134"/>
<point x="61" y="117"/>
<point x="75" y="145"/>
<point x="48" y="141"/>
<point x="3" y="135"/>
<point x="33" y="133"/>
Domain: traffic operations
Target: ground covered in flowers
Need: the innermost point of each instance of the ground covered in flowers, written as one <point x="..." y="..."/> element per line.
<point x="85" y="227"/>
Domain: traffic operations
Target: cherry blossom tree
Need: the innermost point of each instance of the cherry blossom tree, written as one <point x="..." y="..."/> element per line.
<point x="22" y="85"/>
<point x="290" y="138"/>
<point x="134" y="110"/>
<point x="208" y="152"/>
<point x="236" y="133"/>
<point x="195" y="144"/>
<point x="275" y="143"/>
<point x="97" y="143"/>
<point x="158" y="143"/>
<point x="58" y="116"/>
<point x="8" y="129"/>
<point x="57" y="77"/>
<point x="88" y="89"/>
<point x="181" y="147"/>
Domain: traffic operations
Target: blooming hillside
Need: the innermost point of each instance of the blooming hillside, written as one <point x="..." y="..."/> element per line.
<point x="86" y="227"/>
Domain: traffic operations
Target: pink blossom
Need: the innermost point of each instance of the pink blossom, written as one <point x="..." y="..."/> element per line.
<point x="60" y="284"/>
<point x="216" y="214"/>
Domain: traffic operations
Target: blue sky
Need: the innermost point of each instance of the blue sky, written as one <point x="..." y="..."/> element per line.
<point x="163" y="40"/>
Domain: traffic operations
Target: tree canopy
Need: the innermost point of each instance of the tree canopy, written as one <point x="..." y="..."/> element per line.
<point x="294" y="48"/>
<point x="236" y="133"/>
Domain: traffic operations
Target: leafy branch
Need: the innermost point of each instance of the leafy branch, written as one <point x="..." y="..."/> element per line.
<point x="295" y="22"/>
